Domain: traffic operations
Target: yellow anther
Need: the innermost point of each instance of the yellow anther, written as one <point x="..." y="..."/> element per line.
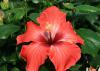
<point x="48" y="26"/>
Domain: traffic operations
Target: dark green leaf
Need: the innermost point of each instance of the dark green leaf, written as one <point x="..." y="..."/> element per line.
<point x="7" y="30"/>
<point x="87" y="9"/>
<point x="76" y="67"/>
<point x="33" y="16"/>
<point x="15" y="69"/>
<point x="90" y="35"/>
<point x="92" y="18"/>
<point x="89" y="48"/>
<point x="96" y="61"/>
<point x="12" y="57"/>
<point x="2" y="42"/>
<point x="43" y="69"/>
<point x="3" y="68"/>
<point x="92" y="41"/>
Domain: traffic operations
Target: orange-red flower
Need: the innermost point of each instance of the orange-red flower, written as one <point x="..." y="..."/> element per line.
<point x="54" y="38"/>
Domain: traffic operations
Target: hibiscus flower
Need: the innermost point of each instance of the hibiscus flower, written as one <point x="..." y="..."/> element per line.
<point x="54" y="38"/>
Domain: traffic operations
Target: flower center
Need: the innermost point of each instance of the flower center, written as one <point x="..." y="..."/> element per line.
<point x="50" y="40"/>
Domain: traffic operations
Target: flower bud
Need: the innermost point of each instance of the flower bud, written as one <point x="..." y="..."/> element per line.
<point x="5" y="4"/>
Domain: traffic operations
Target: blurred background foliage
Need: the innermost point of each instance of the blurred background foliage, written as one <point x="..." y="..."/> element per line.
<point x="85" y="18"/>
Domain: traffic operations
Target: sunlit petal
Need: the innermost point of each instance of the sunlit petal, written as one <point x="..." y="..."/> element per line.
<point x="35" y="55"/>
<point x="69" y="35"/>
<point x="64" y="55"/>
<point x="33" y="33"/>
<point x="51" y="19"/>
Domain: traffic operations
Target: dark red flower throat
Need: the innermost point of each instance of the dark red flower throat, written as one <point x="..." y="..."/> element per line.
<point x="50" y="40"/>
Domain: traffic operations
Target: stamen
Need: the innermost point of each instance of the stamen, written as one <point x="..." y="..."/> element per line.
<point x="49" y="37"/>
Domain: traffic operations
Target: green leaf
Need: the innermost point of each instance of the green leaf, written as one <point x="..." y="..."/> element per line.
<point x="68" y="5"/>
<point x="12" y="58"/>
<point x="1" y="23"/>
<point x="87" y="9"/>
<point x="15" y="14"/>
<point x="43" y="68"/>
<point x="95" y="61"/>
<point x="92" y="41"/>
<point x="2" y="42"/>
<point x="98" y="34"/>
<point x="90" y="35"/>
<point x="15" y="69"/>
<point x="35" y="1"/>
<point x="33" y="16"/>
<point x="7" y="30"/>
<point x="3" y="67"/>
<point x="92" y="18"/>
<point x="89" y="48"/>
<point x="19" y="13"/>
<point x="76" y="67"/>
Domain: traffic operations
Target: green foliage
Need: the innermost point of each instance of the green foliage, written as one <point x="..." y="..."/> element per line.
<point x="3" y="67"/>
<point x="15" y="69"/>
<point x="33" y="17"/>
<point x="95" y="61"/>
<point x="84" y="15"/>
<point x="7" y="30"/>
<point x="76" y="67"/>
<point x="43" y="69"/>
<point x="87" y="9"/>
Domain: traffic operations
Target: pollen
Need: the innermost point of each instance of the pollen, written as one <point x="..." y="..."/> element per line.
<point x="48" y="26"/>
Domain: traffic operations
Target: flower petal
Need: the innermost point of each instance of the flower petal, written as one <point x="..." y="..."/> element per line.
<point x="34" y="54"/>
<point x="51" y="19"/>
<point x="54" y="20"/>
<point x="69" y="35"/>
<point x="51" y="15"/>
<point x="33" y="33"/>
<point x="64" y="55"/>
